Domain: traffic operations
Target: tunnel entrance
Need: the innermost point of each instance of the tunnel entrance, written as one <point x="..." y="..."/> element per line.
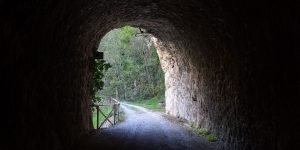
<point x="134" y="74"/>
<point x="232" y="67"/>
<point x="138" y="62"/>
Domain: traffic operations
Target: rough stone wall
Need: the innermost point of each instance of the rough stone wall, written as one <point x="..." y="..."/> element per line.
<point x="48" y="75"/>
<point x="231" y="67"/>
<point x="181" y="84"/>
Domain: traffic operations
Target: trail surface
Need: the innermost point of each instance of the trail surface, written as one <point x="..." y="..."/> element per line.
<point x="146" y="130"/>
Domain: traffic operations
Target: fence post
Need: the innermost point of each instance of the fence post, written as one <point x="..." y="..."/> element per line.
<point x="97" y="117"/>
<point x="118" y="112"/>
<point x="114" y="108"/>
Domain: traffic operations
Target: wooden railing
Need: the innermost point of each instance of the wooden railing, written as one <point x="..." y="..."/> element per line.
<point x="115" y="113"/>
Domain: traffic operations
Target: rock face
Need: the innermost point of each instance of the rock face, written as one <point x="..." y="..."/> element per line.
<point x="232" y="66"/>
<point x="181" y="87"/>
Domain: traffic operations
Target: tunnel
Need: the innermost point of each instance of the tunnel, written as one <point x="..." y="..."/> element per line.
<point x="230" y="66"/>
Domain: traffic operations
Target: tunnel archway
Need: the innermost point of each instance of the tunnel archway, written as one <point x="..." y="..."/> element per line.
<point x="222" y="66"/>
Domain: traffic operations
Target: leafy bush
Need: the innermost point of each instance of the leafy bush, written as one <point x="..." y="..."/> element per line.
<point x="203" y="131"/>
<point x="99" y="68"/>
<point x="97" y="99"/>
<point x="211" y="137"/>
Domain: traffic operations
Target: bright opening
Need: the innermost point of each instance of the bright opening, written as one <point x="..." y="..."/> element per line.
<point x="130" y="72"/>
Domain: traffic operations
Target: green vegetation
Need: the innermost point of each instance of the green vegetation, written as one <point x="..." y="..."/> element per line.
<point x="211" y="137"/>
<point x="135" y="74"/>
<point x="203" y="132"/>
<point x="155" y="103"/>
<point x="105" y="109"/>
<point x="99" y="68"/>
<point x="130" y="71"/>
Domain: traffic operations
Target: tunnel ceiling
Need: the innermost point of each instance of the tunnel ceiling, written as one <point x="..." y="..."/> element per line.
<point x="220" y="60"/>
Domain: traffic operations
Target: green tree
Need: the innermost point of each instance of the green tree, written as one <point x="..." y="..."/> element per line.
<point x="136" y="72"/>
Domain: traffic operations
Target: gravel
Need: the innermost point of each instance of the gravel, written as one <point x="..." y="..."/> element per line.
<point x="146" y="130"/>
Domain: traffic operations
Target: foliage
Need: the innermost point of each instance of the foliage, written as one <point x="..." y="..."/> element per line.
<point x="126" y="34"/>
<point x="136" y="72"/>
<point x="211" y="137"/>
<point x="154" y="103"/>
<point x="130" y="70"/>
<point x="203" y="132"/>
<point x="100" y="67"/>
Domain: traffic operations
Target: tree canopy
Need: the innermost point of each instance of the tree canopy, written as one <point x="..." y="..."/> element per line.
<point x="135" y="71"/>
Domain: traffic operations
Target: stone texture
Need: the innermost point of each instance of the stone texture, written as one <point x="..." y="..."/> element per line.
<point x="232" y="66"/>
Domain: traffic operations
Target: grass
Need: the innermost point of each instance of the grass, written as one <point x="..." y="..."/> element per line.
<point x="211" y="137"/>
<point x="152" y="104"/>
<point x="204" y="132"/>
<point x="105" y="109"/>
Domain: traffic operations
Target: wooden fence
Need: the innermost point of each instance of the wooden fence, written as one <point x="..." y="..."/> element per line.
<point x="115" y="113"/>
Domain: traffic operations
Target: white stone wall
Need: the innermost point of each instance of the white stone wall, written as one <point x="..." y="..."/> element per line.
<point x="182" y="98"/>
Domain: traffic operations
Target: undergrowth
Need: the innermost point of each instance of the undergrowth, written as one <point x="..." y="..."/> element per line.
<point x="152" y="104"/>
<point x="203" y="132"/>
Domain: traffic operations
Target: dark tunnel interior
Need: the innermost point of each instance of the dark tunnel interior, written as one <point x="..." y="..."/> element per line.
<point x="231" y="66"/>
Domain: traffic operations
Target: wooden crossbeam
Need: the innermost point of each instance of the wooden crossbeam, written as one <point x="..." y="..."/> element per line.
<point x="114" y="112"/>
<point x="106" y="118"/>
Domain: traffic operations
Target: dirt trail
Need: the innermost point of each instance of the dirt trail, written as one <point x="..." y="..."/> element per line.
<point x="146" y="130"/>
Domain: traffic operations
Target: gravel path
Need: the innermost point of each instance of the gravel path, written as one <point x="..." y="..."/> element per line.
<point x="146" y="130"/>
